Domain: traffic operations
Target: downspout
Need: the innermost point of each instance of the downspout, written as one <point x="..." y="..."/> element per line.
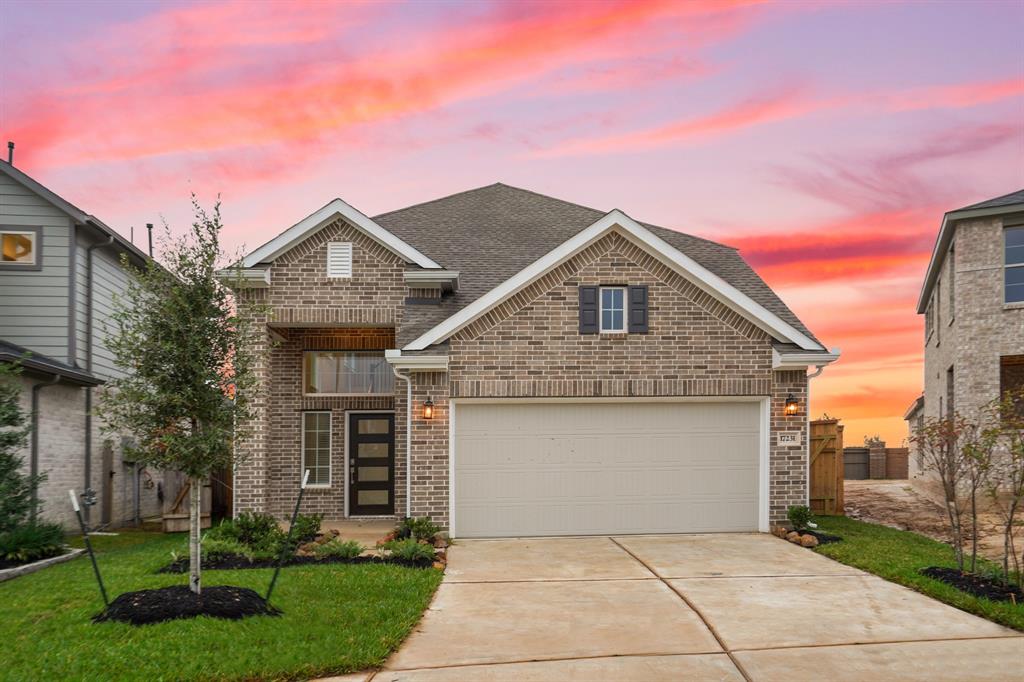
<point x="34" y="457"/>
<point x="88" y="364"/>
<point x="408" y="440"/>
<point x="807" y="488"/>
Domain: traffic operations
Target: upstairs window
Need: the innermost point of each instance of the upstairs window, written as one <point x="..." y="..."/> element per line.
<point x="613" y="310"/>
<point x="339" y="259"/>
<point x="346" y="373"/>
<point x="19" y="248"/>
<point x="1013" y="264"/>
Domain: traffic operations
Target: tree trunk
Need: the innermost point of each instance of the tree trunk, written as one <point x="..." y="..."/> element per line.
<point x="195" y="516"/>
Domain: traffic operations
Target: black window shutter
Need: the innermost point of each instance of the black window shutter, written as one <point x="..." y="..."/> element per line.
<point x="637" y="310"/>
<point x="588" y="310"/>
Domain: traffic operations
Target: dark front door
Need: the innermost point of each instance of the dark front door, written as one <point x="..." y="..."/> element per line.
<point x="371" y="453"/>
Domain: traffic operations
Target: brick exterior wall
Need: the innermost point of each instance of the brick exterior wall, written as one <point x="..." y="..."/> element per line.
<point x="978" y="330"/>
<point x="360" y="312"/>
<point x="62" y="459"/>
<point x="981" y="329"/>
<point x="529" y="346"/>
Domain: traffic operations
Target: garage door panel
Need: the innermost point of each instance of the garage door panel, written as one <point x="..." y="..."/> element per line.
<point x="632" y="467"/>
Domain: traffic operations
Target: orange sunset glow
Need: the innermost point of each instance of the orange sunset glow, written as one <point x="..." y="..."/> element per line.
<point x="823" y="140"/>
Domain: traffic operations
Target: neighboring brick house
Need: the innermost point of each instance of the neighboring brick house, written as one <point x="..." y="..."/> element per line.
<point x="562" y="370"/>
<point x="59" y="271"/>
<point x="973" y="303"/>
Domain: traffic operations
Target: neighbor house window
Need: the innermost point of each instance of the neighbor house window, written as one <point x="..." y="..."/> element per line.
<point x="350" y="372"/>
<point x="950" y="404"/>
<point x="19" y="248"/>
<point x="613" y="309"/>
<point x="316" y="447"/>
<point x="1011" y="379"/>
<point x="1014" y="264"/>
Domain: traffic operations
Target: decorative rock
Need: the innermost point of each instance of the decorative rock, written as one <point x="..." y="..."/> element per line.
<point x="808" y="541"/>
<point x="793" y="536"/>
<point x="779" y="531"/>
<point x="438" y="565"/>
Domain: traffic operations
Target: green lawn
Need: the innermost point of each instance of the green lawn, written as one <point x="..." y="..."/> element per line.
<point x="898" y="555"/>
<point x="336" y="619"/>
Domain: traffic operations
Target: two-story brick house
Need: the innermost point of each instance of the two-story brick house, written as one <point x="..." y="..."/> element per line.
<point x="972" y="300"/>
<point x="60" y="269"/>
<point x="512" y="364"/>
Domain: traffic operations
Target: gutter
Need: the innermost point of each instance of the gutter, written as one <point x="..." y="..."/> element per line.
<point x="34" y="457"/>
<point x="111" y="241"/>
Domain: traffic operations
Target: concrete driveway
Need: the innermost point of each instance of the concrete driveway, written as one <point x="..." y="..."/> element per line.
<point x="702" y="607"/>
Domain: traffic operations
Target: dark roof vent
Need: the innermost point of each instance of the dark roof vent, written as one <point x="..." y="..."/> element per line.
<point x="10" y="152"/>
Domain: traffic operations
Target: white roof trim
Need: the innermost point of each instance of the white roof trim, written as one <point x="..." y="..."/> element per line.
<point x="686" y="266"/>
<point x="416" y="363"/>
<point x="784" y="361"/>
<point x="310" y="224"/>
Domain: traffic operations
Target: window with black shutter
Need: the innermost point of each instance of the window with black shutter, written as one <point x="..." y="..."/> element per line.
<point x="613" y="310"/>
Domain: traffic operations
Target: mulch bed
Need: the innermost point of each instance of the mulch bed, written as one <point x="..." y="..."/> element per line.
<point x="977" y="585"/>
<point x="171" y="603"/>
<point x="234" y="562"/>
<point x="823" y="538"/>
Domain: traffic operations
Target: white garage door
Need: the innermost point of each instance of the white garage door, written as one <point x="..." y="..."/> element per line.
<point x="563" y="468"/>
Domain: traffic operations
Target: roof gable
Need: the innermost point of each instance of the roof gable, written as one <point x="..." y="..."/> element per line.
<point x="617" y="220"/>
<point x="1007" y="203"/>
<point x="314" y="222"/>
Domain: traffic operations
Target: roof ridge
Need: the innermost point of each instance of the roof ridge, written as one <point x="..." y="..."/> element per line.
<point x="987" y="201"/>
<point x="434" y="201"/>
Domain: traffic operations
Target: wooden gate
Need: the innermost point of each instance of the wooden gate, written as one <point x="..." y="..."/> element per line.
<point x="856" y="464"/>
<point x="826" y="467"/>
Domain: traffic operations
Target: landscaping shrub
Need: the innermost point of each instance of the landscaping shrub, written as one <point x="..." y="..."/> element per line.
<point x="799" y="516"/>
<point x="306" y="527"/>
<point x="257" y="533"/>
<point x="344" y="549"/>
<point x="410" y="550"/>
<point x="32" y="542"/>
<point x="418" y="529"/>
<point x="219" y="548"/>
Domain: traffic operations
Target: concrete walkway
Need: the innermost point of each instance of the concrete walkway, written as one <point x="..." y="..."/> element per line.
<point x="701" y="607"/>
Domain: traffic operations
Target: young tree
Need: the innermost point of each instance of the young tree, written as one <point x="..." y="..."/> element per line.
<point x="190" y="383"/>
<point x="15" y="487"/>
<point x="1005" y="489"/>
<point x="940" y="443"/>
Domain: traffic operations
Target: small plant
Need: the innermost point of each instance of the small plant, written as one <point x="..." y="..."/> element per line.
<point x="306" y="527"/>
<point x="410" y="550"/>
<point x="344" y="549"/>
<point x="418" y="529"/>
<point x="257" y="533"/>
<point x="220" y="548"/>
<point x="255" y="528"/>
<point x="32" y="542"/>
<point x="799" y="516"/>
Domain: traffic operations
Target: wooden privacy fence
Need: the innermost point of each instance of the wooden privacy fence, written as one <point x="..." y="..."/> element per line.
<point x="826" y="467"/>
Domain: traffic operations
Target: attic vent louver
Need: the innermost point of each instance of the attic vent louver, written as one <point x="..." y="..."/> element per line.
<point x="339" y="259"/>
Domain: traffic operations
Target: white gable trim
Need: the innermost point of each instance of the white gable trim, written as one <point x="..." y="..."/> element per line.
<point x="686" y="266"/>
<point x="309" y="225"/>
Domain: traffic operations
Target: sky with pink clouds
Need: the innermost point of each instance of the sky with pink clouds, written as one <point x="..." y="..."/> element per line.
<point x="825" y="140"/>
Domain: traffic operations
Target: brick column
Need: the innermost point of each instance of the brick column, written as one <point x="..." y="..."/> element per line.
<point x="250" y="475"/>
<point x="430" y="448"/>
<point x="876" y="460"/>
<point x="787" y="463"/>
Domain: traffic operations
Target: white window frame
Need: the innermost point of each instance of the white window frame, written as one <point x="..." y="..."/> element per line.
<point x="345" y="249"/>
<point x="305" y="353"/>
<point x="601" y="309"/>
<point x="36" y="236"/>
<point x="330" y="448"/>
<point x="1008" y="266"/>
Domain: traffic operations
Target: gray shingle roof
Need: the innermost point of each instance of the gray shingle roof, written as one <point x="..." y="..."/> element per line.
<point x="998" y="202"/>
<point x="491" y="233"/>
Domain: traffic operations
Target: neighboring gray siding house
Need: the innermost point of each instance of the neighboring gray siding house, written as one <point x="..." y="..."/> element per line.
<point x="511" y="364"/>
<point x="59" y="271"/>
<point x="973" y="303"/>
